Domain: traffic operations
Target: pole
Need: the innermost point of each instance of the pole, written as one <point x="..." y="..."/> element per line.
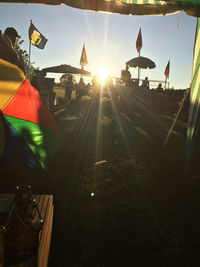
<point x="165" y="82"/>
<point x="29" y="58"/>
<point x="139" y="71"/>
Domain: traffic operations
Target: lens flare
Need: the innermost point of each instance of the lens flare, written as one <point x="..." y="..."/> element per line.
<point x="102" y="73"/>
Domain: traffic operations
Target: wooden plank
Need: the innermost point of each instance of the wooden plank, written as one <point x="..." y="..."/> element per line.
<point x="45" y="237"/>
<point x="45" y="256"/>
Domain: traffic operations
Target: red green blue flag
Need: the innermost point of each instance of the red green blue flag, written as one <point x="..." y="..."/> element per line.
<point x="28" y="131"/>
<point x="83" y="60"/>
<point x="167" y="70"/>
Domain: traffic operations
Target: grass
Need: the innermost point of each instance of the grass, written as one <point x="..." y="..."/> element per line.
<point x="143" y="212"/>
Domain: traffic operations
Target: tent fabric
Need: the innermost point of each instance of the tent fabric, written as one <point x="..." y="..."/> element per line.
<point x="134" y="7"/>
<point x="194" y="114"/>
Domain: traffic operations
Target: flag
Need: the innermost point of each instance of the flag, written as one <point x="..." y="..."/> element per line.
<point x="83" y="60"/>
<point x="36" y="38"/>
<point x="167" y="70"/>
<point x="139" y="41"/>
<point x="29" y="135"/>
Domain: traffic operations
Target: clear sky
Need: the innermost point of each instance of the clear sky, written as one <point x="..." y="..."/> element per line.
<point x="109" y="39"/>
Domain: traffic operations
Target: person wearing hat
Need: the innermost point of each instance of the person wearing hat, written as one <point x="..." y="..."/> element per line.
<point x="7" y="51"/>
<point x="10" y="37"/>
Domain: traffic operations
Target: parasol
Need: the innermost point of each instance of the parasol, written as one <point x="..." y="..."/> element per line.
<point x="66" y="69"/>
<point x="141" y="62"/>
<point x="29" y="135"/>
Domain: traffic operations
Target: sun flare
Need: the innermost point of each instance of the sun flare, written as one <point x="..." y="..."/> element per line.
<point x="102" y="73"/>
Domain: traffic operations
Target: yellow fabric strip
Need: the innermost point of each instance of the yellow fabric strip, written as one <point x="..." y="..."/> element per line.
<point x="2" y="136"/>
<point x="11" y="78"/>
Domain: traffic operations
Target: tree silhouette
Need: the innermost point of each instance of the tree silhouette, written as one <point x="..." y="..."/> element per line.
<point x="25" y="56"/>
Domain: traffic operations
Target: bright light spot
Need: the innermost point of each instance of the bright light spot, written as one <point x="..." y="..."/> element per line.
<point x="102" y="73"/>
<point x="92" y="194"/>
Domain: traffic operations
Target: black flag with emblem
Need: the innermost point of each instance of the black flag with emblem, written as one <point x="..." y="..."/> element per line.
<point x="36" y="38"/>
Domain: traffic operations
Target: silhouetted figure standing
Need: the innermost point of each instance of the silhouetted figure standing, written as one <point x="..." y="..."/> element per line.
<point x="69" y="87"/>
<point x="80" y="90"/>
<point x="11" y="35"/>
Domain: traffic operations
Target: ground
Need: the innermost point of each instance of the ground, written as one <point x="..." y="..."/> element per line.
<point x="133" y="209"/>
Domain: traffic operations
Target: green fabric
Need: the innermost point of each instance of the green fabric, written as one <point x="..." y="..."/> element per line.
<point x="42" y="141"/>
<point x="154" y="2"/>
<point x="193" y="121"/>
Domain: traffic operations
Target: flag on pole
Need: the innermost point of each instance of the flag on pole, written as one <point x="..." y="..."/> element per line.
<point x="167" y="70"/>
<point x="139" y="41"/>
<point x="36" y="38"/>
<point x="83" y="60"/>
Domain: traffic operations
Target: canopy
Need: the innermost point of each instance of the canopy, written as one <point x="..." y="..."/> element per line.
<point x="133" y="7"/>
<point x="141" y="62"/>
<point x="66" y="69"/>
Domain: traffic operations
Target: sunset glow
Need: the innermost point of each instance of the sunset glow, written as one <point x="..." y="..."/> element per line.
<point x="102" y="73"/>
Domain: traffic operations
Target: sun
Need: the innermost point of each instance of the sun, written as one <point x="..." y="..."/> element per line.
<point x="102" y="73"/>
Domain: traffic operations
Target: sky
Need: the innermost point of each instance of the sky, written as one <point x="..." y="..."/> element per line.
<point x="110" y="39"/>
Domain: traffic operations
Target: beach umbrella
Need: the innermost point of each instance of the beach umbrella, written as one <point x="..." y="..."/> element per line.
<point x="29" y="135"/>
<point x="141" y="62"/>
<point x="133" y="7"/>
<point x="66" y="69"/>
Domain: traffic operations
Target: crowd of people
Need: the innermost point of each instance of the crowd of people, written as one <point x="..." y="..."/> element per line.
<point x="130" y="91"/>
<point x="126" y="91"/>
<point x="45" y="88"/>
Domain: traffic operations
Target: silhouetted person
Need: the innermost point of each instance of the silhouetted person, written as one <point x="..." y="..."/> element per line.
<point x="80" y="90"/>
<point x="69" y="87"/>
<point x="95" y="85"/>
<point x="7" y="51"/>
<point x="159" y="88"/>
<point x="126" y="75"/>
<point x="11" y="35"/>
<point x="35" y="80"/>
<point x="145" y="83"/>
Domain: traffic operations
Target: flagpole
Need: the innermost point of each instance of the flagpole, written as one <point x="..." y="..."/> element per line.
<point x="29" y="58"/>
<point x="165" y="82"/>
<point x="139" y="71"/>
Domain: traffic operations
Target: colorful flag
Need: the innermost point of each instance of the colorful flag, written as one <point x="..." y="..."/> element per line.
<point x="83" y="60"/>
<point x="29" y="135"/>
<point x="139" y="41"/>
<point x="36" y="38"/>
<point x="167" y="70"/>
